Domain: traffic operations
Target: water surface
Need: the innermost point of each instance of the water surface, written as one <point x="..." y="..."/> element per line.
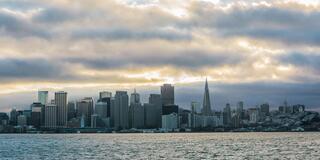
<point x="161" y="146"/>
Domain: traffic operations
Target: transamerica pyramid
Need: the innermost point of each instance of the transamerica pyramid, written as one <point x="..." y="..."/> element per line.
<point x="206" y="110"/>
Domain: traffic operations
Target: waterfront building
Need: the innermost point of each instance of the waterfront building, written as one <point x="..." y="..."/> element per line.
<point x="206" y="110"/>
<point x="36" y="114"/>
<point x="239" y="109"/>
<point x="72" y="113"/>
<point x="170" y="121"/>
<point x="253" y="115"/>
<point x="167" y="94"/>
<point x="43" y="97"/>
<point x="151" y="113"/>
<point x="121" y="109"/>
<point x="50" y="114"/>
<point x="106" y="97"/>
<point x="101" y="109"/>
<point x="22" y="120"/>
<point x="60" y="99"/>
<point x="227" y="115"/>
<point x="94" y="119"/>
<point x="168" y="109"/>
<point x="13" y="117"/>
<point x="156" y="101"/>
<point x="85" y="108"/>
<point x="195" y="107"/>
<point x="136" y="115"/>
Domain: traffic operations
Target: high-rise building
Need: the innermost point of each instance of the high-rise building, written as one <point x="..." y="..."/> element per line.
<point x="4" y="119"/>
<point x="167" y="94"/>
<point x="170" y="121"/>
<point x="106" y="97"/>
<point x="101" y="109"/>
<point x="150" y="115"/>
<point x="13" y="117"/>
<point x="264" y="111"/>
<point x="134" y="97"/>
<point x="94" y="119"/>
<point x="43" y="97"/>
<point x="50" y="114"/>
<point x="227" y="115"/>
<point x="85" y="108"/>
<point x="239" y="109"/>
<point x="168" y="109"/>
<point x="36" y="114"/>
<point x="121" y="108"/>
<point x="71" y="110"/>
<point x="136" y="115"/>
<point x="104" y="94"/>
<point x="60" y="99"/>
<point x="22" y="120"/>
<point x="206" y="110"/>
<point x="155" y="100"/>
<point x="195" y="107"/>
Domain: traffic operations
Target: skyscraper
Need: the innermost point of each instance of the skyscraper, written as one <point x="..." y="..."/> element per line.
<point x="43" y="97"/>
<point x="85" y="108"/>
<point x="36" y="114"/>
<point x="60" y="99"/>
<point x="155" y="100"/>
<point x="167" y="94"/>
<point x="136" y="111"/>
<point x="50" y="114"/>
<point x="105" y="97"/>
<point x="134" y="97"/>
<point x="206" y="110"/>
<point x="121" y="108"/>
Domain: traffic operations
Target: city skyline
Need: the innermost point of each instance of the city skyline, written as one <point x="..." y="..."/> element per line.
<point x="86" y="47"/>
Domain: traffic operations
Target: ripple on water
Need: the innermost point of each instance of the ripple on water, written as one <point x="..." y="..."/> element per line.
<point x="161" y="146"/>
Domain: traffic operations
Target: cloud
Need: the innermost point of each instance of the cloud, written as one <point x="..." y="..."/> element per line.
<point x="18" y="69"/>
<point x="275" y="22"/>
<point x="11" y="25"/>
<point x="72" y="44"/>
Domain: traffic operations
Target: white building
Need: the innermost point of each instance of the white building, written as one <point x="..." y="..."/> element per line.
<point x="170" y="121"/>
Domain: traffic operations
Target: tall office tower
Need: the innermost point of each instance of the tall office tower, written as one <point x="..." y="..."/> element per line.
<point x="206" y="110"/>
<point x="105" y="97"/>
<point x="167" y="94"/>
<point x="136" y="115"/>
<point x="136" y="111"/>
<point x="94" y="119"/>
<point x="13" y="117"/>
<point x="264" y="111"/>
<point x="60" y="99"/>
<point x="227" y="115"/>
<point x="240" y="109"/>
<point x="85" y="108"/>
<point x="195" y="107"/>
<point x="50" y="114"/>
<point x="71" y="110"/>
<point x="22" y="120"/>
<point x="104" y="94"/>
<point x="112" y="111"/>
<point x="36" y="114"/>
<point x="101" y="109"/>
<point x="121" y="110"/>
<point x="4" y="119"/>
<point x="135" y="97"/>
<point x="151" y="116"/>
<point x="43" y="97"/>
<point x="155" y="99"/>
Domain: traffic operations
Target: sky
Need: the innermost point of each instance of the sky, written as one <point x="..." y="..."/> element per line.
<point x="251" y="51"/>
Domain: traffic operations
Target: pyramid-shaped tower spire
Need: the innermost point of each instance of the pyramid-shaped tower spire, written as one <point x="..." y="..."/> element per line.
<point x="206" y="110"/>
